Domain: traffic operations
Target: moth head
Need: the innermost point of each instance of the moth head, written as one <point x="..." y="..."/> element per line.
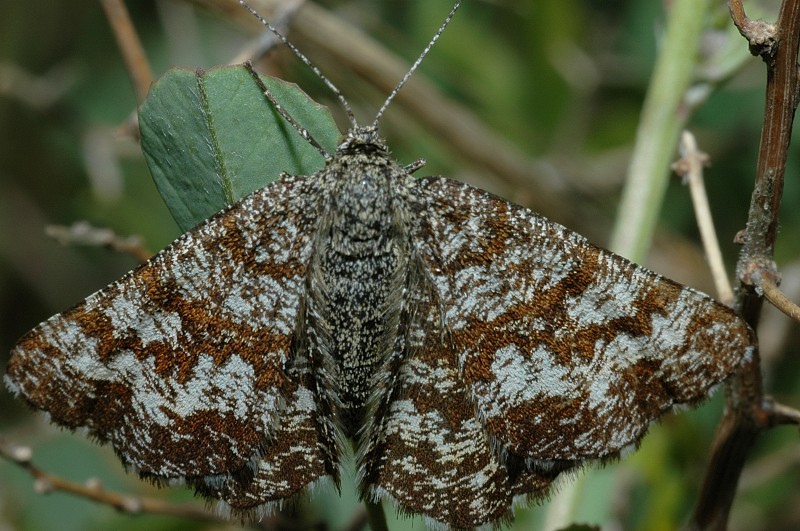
<point x="362" y="139"/>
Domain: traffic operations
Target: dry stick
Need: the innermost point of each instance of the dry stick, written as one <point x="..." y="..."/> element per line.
<point x="691" y="167"/>
<point x="760" y="35"/>
<point x="83" y="233"/>
<point x="780" y="414"/>
<point x="92" y="490"/>
<point x="37" y="91"/>
<point x="774" y="295"/>
<point x="130" y="46"/>
<point x="747" y="413"/>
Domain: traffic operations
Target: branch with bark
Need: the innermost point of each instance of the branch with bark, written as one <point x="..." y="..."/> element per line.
<point x="749" y="412"/>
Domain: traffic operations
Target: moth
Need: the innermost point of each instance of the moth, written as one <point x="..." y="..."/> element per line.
<point x="470" y="349"/>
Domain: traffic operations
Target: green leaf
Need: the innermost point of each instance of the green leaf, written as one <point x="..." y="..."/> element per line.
<point x="210" y="137"/>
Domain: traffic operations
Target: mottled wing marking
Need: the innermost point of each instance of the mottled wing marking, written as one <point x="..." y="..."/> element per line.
<point x="180" y="364"/>
<point x="569" y="350"/>
<point x="429" y="452"/>
<point x="303" y="449"/>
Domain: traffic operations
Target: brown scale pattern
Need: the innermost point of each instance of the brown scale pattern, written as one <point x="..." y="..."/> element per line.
<point x="433" y="456"/>
<point x="300" y="452"/>
<point x="68" y="365"/>
<point x="648" y="378"/>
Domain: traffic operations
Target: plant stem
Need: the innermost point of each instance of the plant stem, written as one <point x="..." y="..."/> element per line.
<point x="376" y="516"/>
<point x="663" y="118"/>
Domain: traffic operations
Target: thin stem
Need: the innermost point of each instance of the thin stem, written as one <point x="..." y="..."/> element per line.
<point x="774" y="295"/>
<point x="691" y="167"/>
<point x="376" y="516"/>
<point x="746" y="415"/>
<point x="660" y="125"/>
<point x="780" y="414"/>
<point x="83" y="233"/>
<point x="760" y="35"/>
<point x="130" y="46"/>
<point x="93" y="490"/>
<point x="738" y="16"/>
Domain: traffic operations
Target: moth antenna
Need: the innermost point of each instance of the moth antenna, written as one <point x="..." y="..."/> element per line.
<point x="416" y="64"/>
<point x="307" y="62"/>
<point x="305" y="133"/>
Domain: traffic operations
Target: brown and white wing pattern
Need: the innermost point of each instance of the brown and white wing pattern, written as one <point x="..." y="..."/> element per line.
<point x="303" y="449"/>
<point x="568" y="351"/>
<point x="428" y="451"/>
<point x="182" y="364"/>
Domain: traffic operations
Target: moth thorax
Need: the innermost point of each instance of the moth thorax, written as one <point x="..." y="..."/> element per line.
<point x="363" y="208"/>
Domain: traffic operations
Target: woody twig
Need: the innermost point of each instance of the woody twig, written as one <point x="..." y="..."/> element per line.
<point x="93" y="490"/>
<point x="748" y="412"/>
<point x="83" y="233"/>
<point x="774" y="295"/>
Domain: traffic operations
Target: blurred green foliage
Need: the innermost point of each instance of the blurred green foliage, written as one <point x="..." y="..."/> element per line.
<point x="562" y="80"/>
<point x="208" y="148"/>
